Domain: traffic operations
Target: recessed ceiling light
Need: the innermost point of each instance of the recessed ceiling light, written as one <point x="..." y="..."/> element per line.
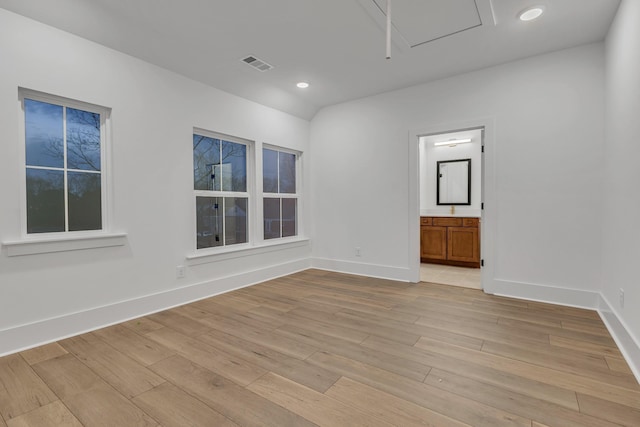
<point x="302" y="85"/>
<point x="531" y="13"/>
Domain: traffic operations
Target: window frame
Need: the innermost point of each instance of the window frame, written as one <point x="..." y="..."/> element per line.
<point x="268" y="195"/>
<point x="105" y="167"/>
<point x="249" y="194"/>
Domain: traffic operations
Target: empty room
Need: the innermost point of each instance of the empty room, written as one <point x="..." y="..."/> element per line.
<point x="319" y="213"/>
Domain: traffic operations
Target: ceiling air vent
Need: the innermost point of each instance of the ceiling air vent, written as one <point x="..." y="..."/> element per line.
<point x="256" y="63"/>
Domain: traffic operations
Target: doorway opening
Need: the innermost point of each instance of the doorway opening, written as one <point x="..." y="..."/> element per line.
<point x="450" y="206"/>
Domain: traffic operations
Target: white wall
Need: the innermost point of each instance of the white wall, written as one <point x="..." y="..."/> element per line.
<point x="547" y="155"/>
<point x="153" y="115"/>
<point x="620" y="231"/>
<point x="430" y="155"/>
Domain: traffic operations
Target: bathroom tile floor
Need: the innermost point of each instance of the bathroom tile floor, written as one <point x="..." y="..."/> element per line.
<point x="450" y="275"/>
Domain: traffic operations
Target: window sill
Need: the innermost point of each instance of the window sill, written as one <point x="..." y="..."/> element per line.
<point x="244" y="251"/>
<point x="62" y="244"/>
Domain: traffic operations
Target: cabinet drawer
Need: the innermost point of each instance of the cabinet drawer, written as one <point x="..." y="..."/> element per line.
<point x="447" y="222"/>
<point x="470" y="222"/>
<point x="424" y="220"/>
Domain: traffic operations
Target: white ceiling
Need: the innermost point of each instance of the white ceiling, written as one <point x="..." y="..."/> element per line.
<point x="338" y="46"/>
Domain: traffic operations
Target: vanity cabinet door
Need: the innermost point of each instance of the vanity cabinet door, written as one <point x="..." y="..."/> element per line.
<point x="433" y="242"/>
<point x="463" y="244"/>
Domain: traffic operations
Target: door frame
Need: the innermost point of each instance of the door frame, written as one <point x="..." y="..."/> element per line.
<point x="488" y="220"/>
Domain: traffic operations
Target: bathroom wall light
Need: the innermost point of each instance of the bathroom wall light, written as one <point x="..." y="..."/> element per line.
<point x="302" y="85"/>
<point x="452" y="142"/>
<point x="531" y="13"/>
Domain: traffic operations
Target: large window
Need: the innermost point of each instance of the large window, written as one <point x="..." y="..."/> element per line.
<point x="64" y="146"/>
<point x="220" y="183"/>
<point x="280" y="196"/>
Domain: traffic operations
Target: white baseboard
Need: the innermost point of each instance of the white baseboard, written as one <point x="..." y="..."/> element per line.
<point x="45" y="331"/>
<point x="362" y="269"/>
<point x="627" y="343"/>
<point x="543" y="293"/>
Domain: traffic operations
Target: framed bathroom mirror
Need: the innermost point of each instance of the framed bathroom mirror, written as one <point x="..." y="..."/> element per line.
<point x="454" y="182"/>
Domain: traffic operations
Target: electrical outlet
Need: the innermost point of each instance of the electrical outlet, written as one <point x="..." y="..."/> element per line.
<point x="621" y="298"/>
<point x="358" y="251"/>
<point x="180" y="272"/>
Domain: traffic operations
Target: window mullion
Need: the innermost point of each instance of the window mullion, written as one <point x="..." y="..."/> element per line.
<point x="281" y="224"/>
<point x="64" y="165"/>
<point x="224" y="220"/>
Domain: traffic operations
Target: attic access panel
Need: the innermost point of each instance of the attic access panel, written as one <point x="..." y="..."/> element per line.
<point x="421" y="21"/>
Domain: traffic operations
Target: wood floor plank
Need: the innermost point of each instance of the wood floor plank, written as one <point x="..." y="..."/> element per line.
<point x="234" y="402"/>
<point x="596" y="328"/>
<point x="207" y="356"/>
<point x="387" y="407"/>
<point x="137" y="347"/>
<point x="359" y="324"/>
<point x="574" y="362"/>
<point x="314" y="406"/>
<point x="172" y="407"/>
<point x="451" y="405"/>
<point x="21" y="390"/>
<point x="584" y="346"/>
<point x="191" y="311"/>
<point x="294" y="369"/>
<point x="267" y="297"/>
<point x="352" y="306"/>
<point x="347" y="334"/>
<point x="559" y="331"/>
<point x="603" y="409"/>
<point x="424" y="307"/>
<point x="618" y="364"/>
<point x="221" y="303"/>
<point x="42" y="353"/>
<point x="515" y="403"/>
<point x="492" y="332"/>
<point x="567" y="380"/>
<point x="88" y="396"/>
<point x="68" y="376"/>
<point x="142" y="325"/>
<point x="183" y="324"/>
<point x="123" y="373"/>
<point x="564" y="311"/>
<point x="266" y="337"/>
<point x="465" y="366"/>
<point x="397" y="364"/>
<point x="53" y="414"/>
<point x="420" y="329"/>
<point x="103" y="407"/>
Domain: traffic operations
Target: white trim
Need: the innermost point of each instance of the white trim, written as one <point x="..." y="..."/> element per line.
<point x="220" y="136"/>
<point x="106" y="209"/>
<point x="488" y="215"/>
<point x="268" y="195"/>
<point x="248" y="194"/>
<point x="628" y="344"/>
<point x="363" y="269"/>
<point x="239" y="251"/>
<point x="548" y="294"/>
<point x="63" y="243"/>
<point x="22" y="337"/>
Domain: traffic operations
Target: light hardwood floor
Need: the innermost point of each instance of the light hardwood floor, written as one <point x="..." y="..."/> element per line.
<point x="321" y="348"/>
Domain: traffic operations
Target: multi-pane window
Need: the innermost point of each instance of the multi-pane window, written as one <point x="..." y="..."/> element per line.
<point x="220" y="183"/>
<point x="280" y="196"/>
<point x="64" y="145"/>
